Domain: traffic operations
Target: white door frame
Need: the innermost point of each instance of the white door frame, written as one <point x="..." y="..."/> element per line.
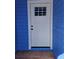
<point x="29" y="40"/>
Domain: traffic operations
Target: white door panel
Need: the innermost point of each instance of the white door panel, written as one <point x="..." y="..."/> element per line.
<point x="40" y="26"/>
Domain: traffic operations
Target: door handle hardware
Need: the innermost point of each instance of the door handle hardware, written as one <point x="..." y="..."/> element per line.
<point x="31" y="28"/>
<point x="31" y="25"/>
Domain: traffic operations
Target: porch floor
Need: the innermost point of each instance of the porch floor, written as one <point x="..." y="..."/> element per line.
<point x="34" y="55"/>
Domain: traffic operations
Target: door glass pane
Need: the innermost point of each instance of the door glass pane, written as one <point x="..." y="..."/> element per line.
<point x="36" y="9"/>
<point x="40" y="11"/>
<point x="44" y="8"/>
<point x="36" y="13"/>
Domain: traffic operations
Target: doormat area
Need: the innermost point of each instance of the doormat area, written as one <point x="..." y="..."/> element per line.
<point x="34" y="55"/>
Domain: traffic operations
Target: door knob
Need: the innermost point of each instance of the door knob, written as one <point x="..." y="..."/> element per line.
<point x="31" y="25"/>
<point x="31" y="28"/>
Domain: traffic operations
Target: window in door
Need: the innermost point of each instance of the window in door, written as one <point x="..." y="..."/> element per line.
<point x="40" y="11"/>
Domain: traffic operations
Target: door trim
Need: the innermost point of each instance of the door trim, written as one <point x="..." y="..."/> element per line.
<point x="28" y="10"/>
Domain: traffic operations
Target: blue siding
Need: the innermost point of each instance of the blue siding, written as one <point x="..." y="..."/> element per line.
<point x="58" y="27"/>
<point x="22" y="26"/>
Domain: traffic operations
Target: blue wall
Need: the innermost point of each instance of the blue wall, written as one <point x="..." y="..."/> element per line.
<point x="22" y="26"/>
<point x="58" y="27"/>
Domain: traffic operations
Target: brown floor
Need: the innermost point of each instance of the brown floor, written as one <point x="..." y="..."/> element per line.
<point x="34" y="55"/>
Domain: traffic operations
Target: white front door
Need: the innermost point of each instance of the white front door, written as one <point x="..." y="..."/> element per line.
<point x="40" y="25"/>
